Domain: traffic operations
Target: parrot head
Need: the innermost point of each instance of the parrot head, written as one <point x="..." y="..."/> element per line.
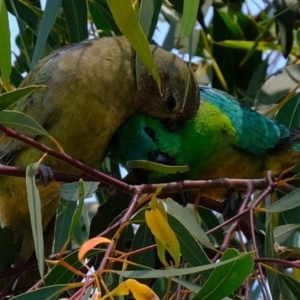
<point x="174" y="105"/>
<point x="143" y="137"/>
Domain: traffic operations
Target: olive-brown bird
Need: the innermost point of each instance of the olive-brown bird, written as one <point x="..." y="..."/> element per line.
<point x="91" y="90"/>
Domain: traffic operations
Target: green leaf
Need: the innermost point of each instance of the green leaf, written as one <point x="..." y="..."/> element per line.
<point x="21" y="122"/>
<point x="289" y="113"/>
<point x="65" y="214"/>
<point x="185" y="217"/>
<point x="283" y="232"/>
<point x="35" y="211"/>
<point x="298" y="37"/>
<point x="224" y="280"/>
<point x="248" y="45"/>
<point x="75" y="12"/>
<point x="257" y="79"/>
<point x="287" y="202"/>
<point x="81" y="233"/>
<point x="44" y="292"/>
<point x="292" y="283"/>
<point x="156" y="167"/>
<point x="68" y="204"/>
<point x="278" y="85"/>
<point x="162" y="285"/>
<point x="146" y="12"/>
<point x="230" y="25"/>
<point x="189" y="16"/>
<point x="47" y="22"/>
<point x="24" y="124"/>
<point x="9" y="98"/>
<point x="155" y="15"/>
<point x="31" y="16"/>
<point x="78" y="210"/>
<point x="190" y="248"/>
<point x="71" y="191"/>
<point x="5" y="55"/>
<point x="273" y="278"/>
<point x="127" y="22"/>
<point x="245" y="258"/>
<point x="142" y="238"/>
<point x="102" y="17"/>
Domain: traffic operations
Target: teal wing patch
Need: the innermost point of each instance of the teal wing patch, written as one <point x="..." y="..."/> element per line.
<point x="256" y="132"/>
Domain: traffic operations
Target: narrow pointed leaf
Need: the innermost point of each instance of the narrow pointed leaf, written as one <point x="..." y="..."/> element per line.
<point x="224" y="280"/>
<point x="70" y="191"/>
<point x="151" y="166"/>
<point x="180" y="272"/>
<point x="127" y="22"/>
<point x="48" y="292"/>
<point x="35" y="211"/>
<point x="283" y="232"/>
<point x="89" y="245"/>
<point x="162" y="232"/>
<point x="5" y="52"/>
<point x="189" y="16"/>
<point x="49" y="16"/>
<point x="9" y="98"/>
<point x="287" y="202"/>
<point x="75" y="12"/>
<point x="138" y="290"/>
<point x="188" y="221"/>
<point x="25" y="124"/>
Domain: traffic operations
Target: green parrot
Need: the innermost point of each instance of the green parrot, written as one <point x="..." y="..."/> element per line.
<point x="224" y="140"/>
<point x="91" y="90"/>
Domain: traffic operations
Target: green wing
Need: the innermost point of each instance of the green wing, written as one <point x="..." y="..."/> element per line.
<point x="256" y="133"/>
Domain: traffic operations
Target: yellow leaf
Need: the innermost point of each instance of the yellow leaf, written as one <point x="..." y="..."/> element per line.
<point x="138" y="290"/>
<point x="163" y="232"/>
<point x="157" y="203"/>
<point x="90" y="244"/>
<point x="161" y="252"/>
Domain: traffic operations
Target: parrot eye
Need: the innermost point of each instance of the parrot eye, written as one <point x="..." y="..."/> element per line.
<point x="150" y="132"/>
<point x="171" y="102"/>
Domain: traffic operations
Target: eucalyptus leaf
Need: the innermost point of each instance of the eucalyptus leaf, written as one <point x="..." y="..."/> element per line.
<point x="9" y="98"/>
<point x="278" y="85"/>
<point x="48" y="20"/>
<point x="281" y="233"/>
<point x="70" y="191"/>
<point x="287" y="202"/>
<point x="5" y="51"/>
<point x="151" y="166"/>
<point x="35" y="211"/>
<point x="184" y="216"/>
<point x="125" y="18"/>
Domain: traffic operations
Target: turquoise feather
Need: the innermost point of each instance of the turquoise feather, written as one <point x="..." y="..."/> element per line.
<point x="256" y="133"/>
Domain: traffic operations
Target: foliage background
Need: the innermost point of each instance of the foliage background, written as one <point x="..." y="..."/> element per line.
<point x="234" y="52"/>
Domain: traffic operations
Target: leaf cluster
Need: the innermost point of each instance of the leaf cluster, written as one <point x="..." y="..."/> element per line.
<point x="140" y="243"/>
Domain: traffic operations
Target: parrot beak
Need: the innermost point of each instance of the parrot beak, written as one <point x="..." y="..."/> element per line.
<point x="171" y="125"/>
<point x="161" y="158"/>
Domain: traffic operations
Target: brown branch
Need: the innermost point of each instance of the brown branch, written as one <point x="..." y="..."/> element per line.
<point x="187" y="185"/>
<point x="59" y="177"/>
<point x="286" y="263"/>
<point x="68" y="159"/>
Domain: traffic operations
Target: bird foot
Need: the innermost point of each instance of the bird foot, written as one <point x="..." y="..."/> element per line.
<point x="45" y="175"/>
